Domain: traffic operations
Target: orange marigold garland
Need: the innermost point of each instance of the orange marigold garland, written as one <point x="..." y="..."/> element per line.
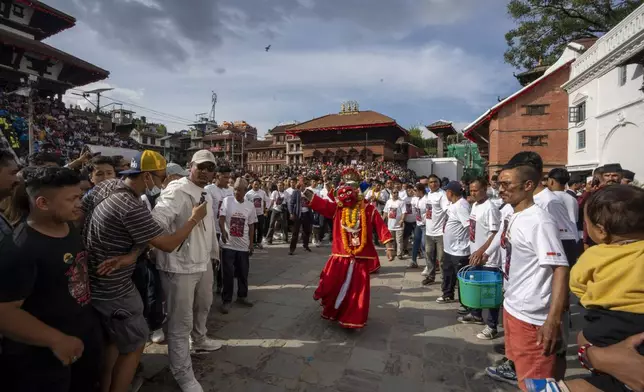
<point x="363" y="231"/>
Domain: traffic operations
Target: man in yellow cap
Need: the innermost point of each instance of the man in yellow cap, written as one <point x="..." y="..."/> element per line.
<point x="118" y="227"/>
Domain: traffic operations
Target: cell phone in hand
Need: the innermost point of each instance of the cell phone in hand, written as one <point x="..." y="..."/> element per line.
<point x="203" y="198"/>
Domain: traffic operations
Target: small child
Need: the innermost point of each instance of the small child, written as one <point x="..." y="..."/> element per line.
<point x="608" y="279"/>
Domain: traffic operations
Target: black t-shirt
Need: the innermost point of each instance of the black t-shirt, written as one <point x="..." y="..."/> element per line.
<point x="50" y="276"/>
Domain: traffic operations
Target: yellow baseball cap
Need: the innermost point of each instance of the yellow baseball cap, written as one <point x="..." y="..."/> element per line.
<point x="146" y="161"/>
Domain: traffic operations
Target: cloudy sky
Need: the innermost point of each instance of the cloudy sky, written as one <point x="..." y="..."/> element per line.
<point x="417" y="61"/>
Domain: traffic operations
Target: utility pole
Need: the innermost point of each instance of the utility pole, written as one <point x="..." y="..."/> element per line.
<point x="30" y="121"/>
<point x="98" y="93"/>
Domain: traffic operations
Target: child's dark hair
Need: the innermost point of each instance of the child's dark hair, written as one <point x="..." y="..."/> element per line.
<point x="618" y="208"/>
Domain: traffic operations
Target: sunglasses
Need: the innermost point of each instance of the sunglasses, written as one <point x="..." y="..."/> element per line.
<point x="206" y="166"/>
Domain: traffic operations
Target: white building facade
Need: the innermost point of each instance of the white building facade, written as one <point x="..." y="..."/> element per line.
<point x="606" y="101"/>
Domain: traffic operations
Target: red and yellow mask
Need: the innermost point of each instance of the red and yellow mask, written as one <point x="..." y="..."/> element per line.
<point x="348" y="196"/>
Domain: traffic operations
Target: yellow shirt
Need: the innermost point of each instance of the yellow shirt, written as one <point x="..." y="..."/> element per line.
<point x="611" y="277"/>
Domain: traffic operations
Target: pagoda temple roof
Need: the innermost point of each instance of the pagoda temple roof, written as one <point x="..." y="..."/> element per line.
<point x="262" y="144"/>
<point x="352" y="120"/>
<point x="83" y="72"/>
<point x="46" y="20"/>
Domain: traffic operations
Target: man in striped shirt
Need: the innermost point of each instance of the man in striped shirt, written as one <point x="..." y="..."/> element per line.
<point x="118" y="223"/>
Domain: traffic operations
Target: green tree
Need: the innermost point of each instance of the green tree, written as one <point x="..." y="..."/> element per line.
<point x="544" y="27"/>
<point x="417" y="139"/>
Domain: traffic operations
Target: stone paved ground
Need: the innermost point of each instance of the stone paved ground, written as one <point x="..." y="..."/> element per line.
<point x="410" y="344"/>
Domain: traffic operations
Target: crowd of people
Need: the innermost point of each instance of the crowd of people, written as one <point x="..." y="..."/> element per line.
<point x="57" y="129"/>
<point x="102" y="255"/>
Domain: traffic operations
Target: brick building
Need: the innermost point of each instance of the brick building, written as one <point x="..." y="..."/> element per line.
<point x="266" y="156"/>
<point x="352" y="135"/>
<point x="534" y="118"/>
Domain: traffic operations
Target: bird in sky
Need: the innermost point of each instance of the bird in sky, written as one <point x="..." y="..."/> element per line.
<point x="268" y="48"/>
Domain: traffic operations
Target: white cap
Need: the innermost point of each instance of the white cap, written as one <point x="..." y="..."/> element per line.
<point x="174" y="168"/>
<point x="202" y="156"/>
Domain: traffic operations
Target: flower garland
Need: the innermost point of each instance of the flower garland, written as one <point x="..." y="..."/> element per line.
<point x="350" y="216"/>
<point x="363" y="232"/>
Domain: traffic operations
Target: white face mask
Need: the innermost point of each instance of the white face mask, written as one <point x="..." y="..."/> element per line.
<point x="155" y="191"/>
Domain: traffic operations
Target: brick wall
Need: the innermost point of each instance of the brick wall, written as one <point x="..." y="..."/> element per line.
<point x="509" y="127"/>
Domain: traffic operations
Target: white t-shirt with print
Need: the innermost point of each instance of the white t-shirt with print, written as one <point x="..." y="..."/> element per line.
<point x="418" y="209"/>
<point x="555" y="207"/>
<point x="485" y="218"/>
<point x="277" y="199"/>
<point x="456" y="241"/>
<point x="408" y="209"/>
<point x="435" y="212"/>
<point x="394" y="210"/>
<point x="259" y="199"/>
<point x="571" y="205"/>
<point x="218" y="195"/>
<point x="383" y="196"/>
<point x="533" y="248"/>
<point x="239" y="216"/>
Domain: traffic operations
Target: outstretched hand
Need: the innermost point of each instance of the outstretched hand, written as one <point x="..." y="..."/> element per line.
<point x="116" y="263"/>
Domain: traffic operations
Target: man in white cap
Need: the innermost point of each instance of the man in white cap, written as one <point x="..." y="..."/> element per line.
<point x="186" y="273"/>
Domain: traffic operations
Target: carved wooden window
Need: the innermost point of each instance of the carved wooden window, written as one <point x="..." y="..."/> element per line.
<point x="535" y="140"/>
<point x="535" y="110"/>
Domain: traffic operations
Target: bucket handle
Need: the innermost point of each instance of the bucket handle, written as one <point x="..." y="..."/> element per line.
<point x="471" y="267"/>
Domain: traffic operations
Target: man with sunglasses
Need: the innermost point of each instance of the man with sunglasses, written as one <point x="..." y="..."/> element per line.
<point x="186" y="273"/>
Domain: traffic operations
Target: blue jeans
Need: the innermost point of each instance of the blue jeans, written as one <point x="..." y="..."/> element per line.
<point x="419" y="239"/>
<point x="493" y="314"/>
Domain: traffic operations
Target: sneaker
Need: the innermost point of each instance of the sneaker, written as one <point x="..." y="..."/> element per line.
<point x="504" y="372"/>
<point x="444" y="300"/>
<point x="308" y="249"/>
<point x="425" y="272"/>
<point x="463" y="310"/>
<point x="413" y="264"/>
<point x="158" y="336"/>
<point x="487" y="333"/>
<point x="542" y="385"/>
<point x="400" y="257"/>
<point x="190" y="385"/>
<point x="206" y="344"/>
<point x="244" y="302"/>
<point x="428" y="280"/>
<point x="225" y="308"/>
<point x="469" y="319"/>
<point x="259" y="246"/>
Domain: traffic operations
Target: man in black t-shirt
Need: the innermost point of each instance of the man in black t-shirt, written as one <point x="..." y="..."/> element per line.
<point x="52" y="337"/>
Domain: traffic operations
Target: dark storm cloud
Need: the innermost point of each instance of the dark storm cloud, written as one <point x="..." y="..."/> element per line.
<point x="170" y="31"/>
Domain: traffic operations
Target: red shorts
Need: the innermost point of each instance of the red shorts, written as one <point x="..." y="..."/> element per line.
<point x="521" y="347"/>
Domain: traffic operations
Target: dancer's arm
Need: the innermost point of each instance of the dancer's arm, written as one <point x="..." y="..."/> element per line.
<point x="322" y="206"/>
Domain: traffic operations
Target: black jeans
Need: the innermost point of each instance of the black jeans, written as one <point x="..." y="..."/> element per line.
<point x="451" y="265"/>
<point x="217" y="270"/>
<point x="283" y="221"/>
<point x="493" y="314"/>
<point x="259" y="228"/>
<point x="304" y="223"/>
<point x="235" y="264"/>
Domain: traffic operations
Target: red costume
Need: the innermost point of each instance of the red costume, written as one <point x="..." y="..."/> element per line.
<point x="344" y="288"/>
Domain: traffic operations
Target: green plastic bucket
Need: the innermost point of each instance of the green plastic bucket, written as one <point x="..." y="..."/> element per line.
<point x="480" y="289"/>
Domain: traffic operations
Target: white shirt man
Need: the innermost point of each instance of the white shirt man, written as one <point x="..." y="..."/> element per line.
<point x="571" y="205"/>
<point x="568" y="233"/>
<point x="218" y="194"/>
<point x="238" y="216"/>
<point x="259" y="199"/>
<point x="456" y="243"/>
<point x="532" y="244"/>
<point x="394" y="209"/>
<point x="485" y="218"/>
<point x="436" y="204"/>
<point x="187" y="269"/>
<point x="277" y="199"/>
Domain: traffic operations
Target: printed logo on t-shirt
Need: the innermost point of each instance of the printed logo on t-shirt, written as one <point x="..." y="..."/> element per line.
<point x="304" y="202"/>
<point x="407" y="208"/>
<point x="505" y="244"/>
<point x="257" y="202"/>
<point x="472" y="229"/>
<point x="393" y="212"/>
<point x="77" y="277"/>
<point x="279" y="201"/>
<point x="428" y="211"/>
<point x="237" y="226"/>
<point x="417" y="214"/>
